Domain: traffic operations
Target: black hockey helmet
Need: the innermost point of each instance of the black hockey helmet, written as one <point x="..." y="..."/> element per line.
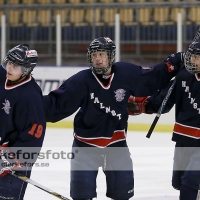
<point x="22" y="55"/>
<point x="104" y="44"/>
<point x="194" y="49"/>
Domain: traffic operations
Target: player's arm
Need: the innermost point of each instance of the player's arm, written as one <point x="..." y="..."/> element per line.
<point x="147" y="81"/>
<point x="149" y="105"/>
<point x="29" y="121"/>
<point x="64" y="101"/>
<point x="156" y="100"/>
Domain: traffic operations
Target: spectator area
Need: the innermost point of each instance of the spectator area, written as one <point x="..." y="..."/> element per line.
<point x="153" y="27"/>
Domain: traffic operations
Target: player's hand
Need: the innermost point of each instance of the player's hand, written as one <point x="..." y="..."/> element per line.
<point x="136" y="105"/>
<point x="7" y="161"/>
<point x="176" y="59"/>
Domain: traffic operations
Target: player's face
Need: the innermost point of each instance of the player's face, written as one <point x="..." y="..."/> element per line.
<point x="14" y="72"/>
<point x="195" y="60"/>
<point x="99" y="59"/>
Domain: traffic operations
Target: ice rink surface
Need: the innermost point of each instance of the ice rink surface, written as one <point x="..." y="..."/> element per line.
<point x="152" y="163"/>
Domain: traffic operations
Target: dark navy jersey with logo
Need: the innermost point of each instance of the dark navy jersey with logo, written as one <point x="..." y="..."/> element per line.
<point x="102" y="116"/>
<point x="186" y="98"/>
<point x="21" y="111"/>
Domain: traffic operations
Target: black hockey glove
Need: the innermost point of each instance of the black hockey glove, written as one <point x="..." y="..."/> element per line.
<point x="7" y="161"/>
<point x="176" y="59"/>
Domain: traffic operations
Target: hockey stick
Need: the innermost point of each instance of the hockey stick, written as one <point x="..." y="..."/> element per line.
<point x="28" y="180"/>
<point x="161" y="109"/>
<point x="197" y="36"/>
<point x="198" y="194"/>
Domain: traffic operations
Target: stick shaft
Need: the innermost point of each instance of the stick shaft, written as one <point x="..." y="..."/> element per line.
<point x="28" y="180"/>
<point x="164" y="102"/>
<point x="152" y="126"/>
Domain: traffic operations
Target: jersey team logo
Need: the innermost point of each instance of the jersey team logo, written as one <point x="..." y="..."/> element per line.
<point x="119" y="94"/>
<point x="6" y="106"/>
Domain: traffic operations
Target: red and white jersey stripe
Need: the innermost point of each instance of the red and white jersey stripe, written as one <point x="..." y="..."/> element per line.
<point x="188" y="131"/>
<point x="102" y="142"/>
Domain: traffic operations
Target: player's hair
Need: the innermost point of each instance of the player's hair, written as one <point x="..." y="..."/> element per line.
<point x="103" y="44"/>
<point x="22" y="55"/>
<point x="194" y="49"/>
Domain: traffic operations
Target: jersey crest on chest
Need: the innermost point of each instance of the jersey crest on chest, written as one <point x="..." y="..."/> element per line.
<point x="6" y="106"/>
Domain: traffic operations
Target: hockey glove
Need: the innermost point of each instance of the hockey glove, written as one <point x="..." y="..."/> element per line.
<point x="136" y="105"/>
<point x="175" y="60"/>
<point x="7" y="160"/>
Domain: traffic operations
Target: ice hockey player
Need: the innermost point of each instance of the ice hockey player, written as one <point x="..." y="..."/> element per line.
<point x="186" y="133"/>
<point x="101" y="94"/>
<point x="22" y="121"/>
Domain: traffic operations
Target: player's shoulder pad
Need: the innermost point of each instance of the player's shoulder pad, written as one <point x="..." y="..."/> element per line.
<point x="125" y="67"/>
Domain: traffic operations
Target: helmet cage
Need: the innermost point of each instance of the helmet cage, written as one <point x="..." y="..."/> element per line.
<point x="194" y="49"/>
<point x="101" y="70"/>
<point x="192" y="68"/>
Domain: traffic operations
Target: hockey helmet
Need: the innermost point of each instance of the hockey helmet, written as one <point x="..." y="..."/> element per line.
<point x="103" y="44"/>
<point x="22" y="55"/>
<point x="193" y="50"/>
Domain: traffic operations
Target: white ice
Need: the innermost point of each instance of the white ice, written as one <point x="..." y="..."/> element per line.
<point x="152" y="160"/>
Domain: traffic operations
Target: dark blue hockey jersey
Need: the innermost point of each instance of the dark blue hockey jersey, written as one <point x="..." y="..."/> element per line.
<point x="186" y="98"/>
<point x="21" y="112"/>
<point x="102" y="117"/>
